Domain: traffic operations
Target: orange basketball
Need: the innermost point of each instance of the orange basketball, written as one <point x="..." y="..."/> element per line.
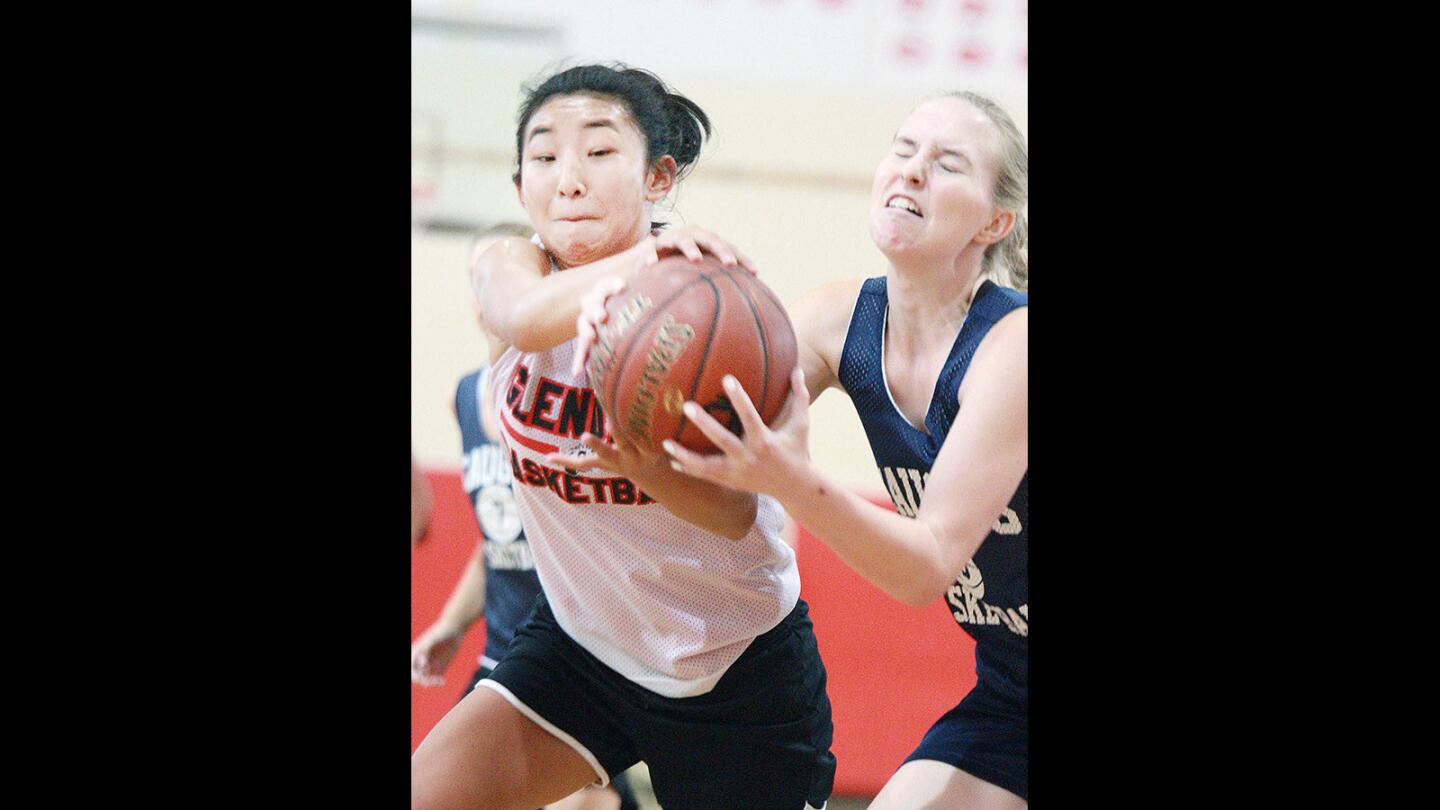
<point x="673" y="334"/>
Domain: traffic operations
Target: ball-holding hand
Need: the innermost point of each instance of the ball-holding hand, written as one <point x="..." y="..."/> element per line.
<point x="763" y="460"/>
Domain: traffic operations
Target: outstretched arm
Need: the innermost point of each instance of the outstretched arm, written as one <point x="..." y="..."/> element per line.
<point x="978" y="468"/>
<point x="526" y="306"/>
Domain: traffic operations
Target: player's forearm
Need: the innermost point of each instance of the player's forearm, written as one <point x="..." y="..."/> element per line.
<point x="900" y="555"/>
<point x="466" y="603"/>
<point x="712" y="507"/>
<point x="543" y="316"/>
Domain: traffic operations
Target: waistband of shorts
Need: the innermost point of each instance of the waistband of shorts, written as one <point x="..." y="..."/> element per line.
<point x="759" y="644"/>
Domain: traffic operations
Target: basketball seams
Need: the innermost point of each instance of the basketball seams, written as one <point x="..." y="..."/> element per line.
<point x="764" y="339"/>
<point x="704" y="355"/>
<point x="618" y="370"/>
<point x="784" y="316"/>
<point x="645" y="330"/>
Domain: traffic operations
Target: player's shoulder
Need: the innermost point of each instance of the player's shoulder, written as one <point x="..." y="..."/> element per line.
<point x="829" y="304"/>
<point x="1009" y="337"/>
<point x="1013" y="325"/>
<point x="840" y="289"/>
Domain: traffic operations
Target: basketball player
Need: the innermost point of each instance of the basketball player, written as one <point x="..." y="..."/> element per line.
<point x="499" y="582"/>
<point x="933" y="355"/>
<point x="669" y="628"/>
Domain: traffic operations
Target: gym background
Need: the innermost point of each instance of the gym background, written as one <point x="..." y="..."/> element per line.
<point x="804" y="96"/>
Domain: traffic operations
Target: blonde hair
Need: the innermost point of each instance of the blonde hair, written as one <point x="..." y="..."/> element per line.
<point x="1006" y="262"/>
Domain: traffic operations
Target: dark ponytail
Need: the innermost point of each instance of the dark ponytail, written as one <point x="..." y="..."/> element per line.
<point x="689" y="126"/>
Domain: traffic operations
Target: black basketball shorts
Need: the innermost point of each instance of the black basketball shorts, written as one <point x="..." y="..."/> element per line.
<point x="760" y="739"/>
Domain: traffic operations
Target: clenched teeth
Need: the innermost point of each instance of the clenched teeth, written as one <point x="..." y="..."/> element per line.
<point x="901" y="202"/>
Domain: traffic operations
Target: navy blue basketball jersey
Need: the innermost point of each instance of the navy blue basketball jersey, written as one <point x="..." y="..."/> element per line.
<point x="990" y="598"/>
<point x="510" y="580"/>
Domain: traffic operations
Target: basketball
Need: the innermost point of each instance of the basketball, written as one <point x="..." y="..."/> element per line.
<point x="673" y="334"/>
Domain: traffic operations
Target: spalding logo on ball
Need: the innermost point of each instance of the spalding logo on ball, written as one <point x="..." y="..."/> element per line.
<point x="673" y="334"/>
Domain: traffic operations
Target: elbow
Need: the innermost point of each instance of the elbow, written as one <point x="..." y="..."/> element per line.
<point x="909" y="592"/>
<point x="940" y="572"/>
<point x="925" y="589"/>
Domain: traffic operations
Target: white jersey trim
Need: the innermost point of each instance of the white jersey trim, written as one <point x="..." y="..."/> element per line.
<point x="499" y="688"/>
<point x="885" y="376"/>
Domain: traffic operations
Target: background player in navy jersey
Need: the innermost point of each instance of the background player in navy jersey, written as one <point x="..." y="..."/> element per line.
<point x="669" y="627"/>
<point x="933" y="355"/>
<point x="499" y="581"/>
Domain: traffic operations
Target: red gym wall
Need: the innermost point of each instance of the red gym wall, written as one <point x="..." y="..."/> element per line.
<point x="893" y="670"/>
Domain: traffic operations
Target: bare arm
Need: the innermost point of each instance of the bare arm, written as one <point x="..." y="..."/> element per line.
<point x="713" y="507"/>
<point x="822" y="317"/>
<point x="977" y="470"/>
<point x="528" y="307"/>
<point x="493" y="344"/>
<point x="820" y="330"/>
<point x="525" y="305"/>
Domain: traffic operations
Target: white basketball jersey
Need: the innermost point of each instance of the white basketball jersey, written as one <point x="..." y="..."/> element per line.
<point x="661" y="601"/>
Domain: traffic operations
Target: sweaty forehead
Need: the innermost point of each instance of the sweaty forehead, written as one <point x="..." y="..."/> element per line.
<point x="950" y="121"/>
<point x="576" y="110"/>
